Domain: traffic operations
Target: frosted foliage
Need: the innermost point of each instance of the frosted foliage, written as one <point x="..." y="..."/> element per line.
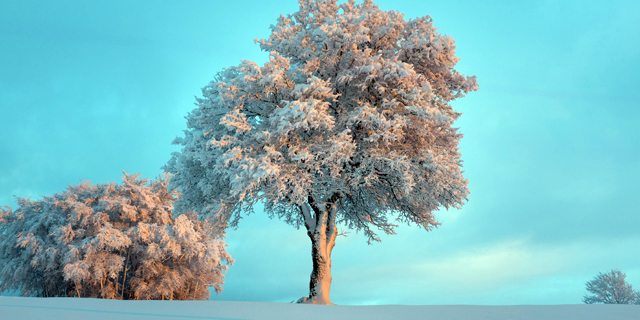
<point x="352" y="109"/>
<point x="611" y="288"/>
<point x="109" y="241"/>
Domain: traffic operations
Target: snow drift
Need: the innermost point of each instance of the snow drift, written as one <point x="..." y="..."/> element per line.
<point x="98" y="309"/>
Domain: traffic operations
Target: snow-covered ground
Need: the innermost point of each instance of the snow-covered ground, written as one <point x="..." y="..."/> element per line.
<point x="97" y="309"/>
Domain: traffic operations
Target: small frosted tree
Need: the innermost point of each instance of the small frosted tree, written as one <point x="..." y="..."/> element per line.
<point x="109" y="241"/>
<point x="349" y="122"/>
<point x="611" y="288"/>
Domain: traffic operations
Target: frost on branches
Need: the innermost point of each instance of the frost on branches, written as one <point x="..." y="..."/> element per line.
<point x="109" y="241"/>
<point x="348" y="122"/>
<point x="611" y="288"/>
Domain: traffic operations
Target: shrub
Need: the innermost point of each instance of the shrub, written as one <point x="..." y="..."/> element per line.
<point x="109" y="241"/>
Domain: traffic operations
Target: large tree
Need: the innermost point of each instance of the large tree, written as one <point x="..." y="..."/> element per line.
<point x="348" y="122"/>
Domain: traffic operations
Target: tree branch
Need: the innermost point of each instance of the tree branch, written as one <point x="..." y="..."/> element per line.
<point x="309" y="221"/>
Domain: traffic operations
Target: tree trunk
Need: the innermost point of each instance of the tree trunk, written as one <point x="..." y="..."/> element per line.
<point x="124" y="276"/>
<point x="321" y="229"/>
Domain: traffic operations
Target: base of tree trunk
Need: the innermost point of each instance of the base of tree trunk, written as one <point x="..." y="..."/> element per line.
<point x="306" y="300"/>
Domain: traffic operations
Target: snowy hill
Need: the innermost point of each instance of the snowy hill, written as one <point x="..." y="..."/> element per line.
<point x="97" y="309"/>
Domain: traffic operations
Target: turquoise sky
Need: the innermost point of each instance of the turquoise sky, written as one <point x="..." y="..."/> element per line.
<point x="551" y="148"/>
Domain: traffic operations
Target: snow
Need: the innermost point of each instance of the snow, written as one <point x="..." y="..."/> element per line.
<point x="97" y="309"/>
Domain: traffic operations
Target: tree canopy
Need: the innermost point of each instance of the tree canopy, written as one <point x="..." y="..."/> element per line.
<point x="353" y="103"/>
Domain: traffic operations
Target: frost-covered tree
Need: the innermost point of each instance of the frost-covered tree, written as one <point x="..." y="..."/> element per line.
<point x="611" y="288"/>
<point x="109" y="241"/>
<point x="349" y="122"/>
